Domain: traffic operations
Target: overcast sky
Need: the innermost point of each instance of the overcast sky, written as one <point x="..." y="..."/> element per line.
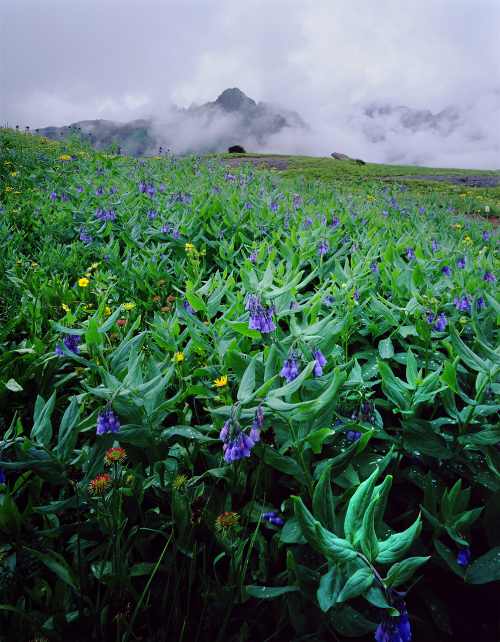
<point x="68" y="60"/>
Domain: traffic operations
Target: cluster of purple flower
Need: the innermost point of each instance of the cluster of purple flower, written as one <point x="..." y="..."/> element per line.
<point x="106" y="421"/>
<point x="489" y="277"/>
<point x="463" y="556"/>
<point x="410" y="254"/>
<point x="324" y="247"/>
<point x="188" y="307"/>
<point x="107" y="215"/>
<point x="435" y="246"/>
<point x="253" y="257"/>
<point x="242" y="444"/>
<point x="320" y="361"/>
<point x="290" y="368"/>
<point x="260" y="317"/>
<point x="335" y="221"/>
<point x="329" y="301"/>
<point x="273" y="519"/>
<point x="461" y="262"/>
<point x="2" y="470"/>
<point x="394" y="629"/>
<point x="374" y="268"/>
<point x="439" y="321"/>
<point x="151" y="214"/>
<point x="71" y="342"/>
<point x="464" y="305"/>
<point x="83" y="235"/>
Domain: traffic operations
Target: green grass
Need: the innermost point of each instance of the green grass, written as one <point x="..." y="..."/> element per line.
<point x="355" y="176"/>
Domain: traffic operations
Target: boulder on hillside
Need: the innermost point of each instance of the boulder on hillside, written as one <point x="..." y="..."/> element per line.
<point x="338" y="156"/>
<point x="237" y="149"/>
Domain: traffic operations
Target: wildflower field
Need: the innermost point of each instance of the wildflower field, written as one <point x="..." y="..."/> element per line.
<point x="239" y="406"/>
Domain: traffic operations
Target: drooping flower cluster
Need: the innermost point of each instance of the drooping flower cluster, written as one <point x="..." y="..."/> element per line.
<point x="83" y="235"/>
<point x="261" y="318"/>
<point x="324" y="247"/>
<point x="2" y="470"/>
<point x="106" y="215"/>
<point x="240" y="445"/>
<point x="464" y="304"/>
<point x="463" y="556"/>
<point x="290" y="368"/>
<point x="106" y="421"/>
<point x="320" y="361"/>
<point x="410" y="254"/>
<point x="71" y="342"/>
<point x="394" y="629"/>
<point x="274" y="520"/>
<point x="439" y="320"/>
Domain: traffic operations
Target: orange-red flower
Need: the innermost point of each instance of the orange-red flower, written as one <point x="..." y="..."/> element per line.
<point x="99" y="484"/>
<point x="115" y="455"/>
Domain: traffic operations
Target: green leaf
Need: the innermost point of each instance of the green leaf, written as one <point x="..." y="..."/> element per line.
<point x="449" y="376"/>
<point x="65" y="574"/>
<point x="492" y="519"/>
<point x="340" y="462"/>
<point x="291" y="533"/>
<point x="398" y="544"/>
<point x="317" y="438"/>
<point x="394" y="390"/>
<point x="92" y="335"/>
<point x="356" y="584"/>
<point x="419" y="436"/>
<point x="405" y="569"/>
<point x="485" y="569"/>
<point x="368" y="538"/>
<point x="450" y="558"/>
<point x="285" y="464"/>
<point x="382" y="490"/>
<point x="264" y="592"/>
<point x="13" y="385"/>
<point x="196" y="302"/>
<point x="242" y="328"/>
<point x="329" y="589"/>
<point x="42" y="430"/>
<point x="357" y="506"/>
<point x="306" y="523"/>
<point x="323" y="502"/>
<point x="465" y="353"/>
<point x="351" y="623"/>
<point x="386" y="349"/>
<point x="333" y="547"/>
<point x="248" y="381"/>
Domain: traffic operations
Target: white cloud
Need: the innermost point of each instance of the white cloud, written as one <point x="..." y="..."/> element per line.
<point x="82" y="60"/>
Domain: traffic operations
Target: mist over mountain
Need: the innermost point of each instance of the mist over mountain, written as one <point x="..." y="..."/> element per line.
<point x="378" y="132"/>
<point x="233" y="118"/>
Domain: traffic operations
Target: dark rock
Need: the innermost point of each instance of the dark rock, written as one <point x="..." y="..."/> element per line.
<point x="338" y="156"/>
<point x="237" y="149"/>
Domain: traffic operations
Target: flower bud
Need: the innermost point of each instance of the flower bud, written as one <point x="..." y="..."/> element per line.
<point x="463" y="320"/>
<point x="344" y="286"/>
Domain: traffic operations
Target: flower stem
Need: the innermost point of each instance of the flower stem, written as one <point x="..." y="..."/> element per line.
<point x="253" y="495"/>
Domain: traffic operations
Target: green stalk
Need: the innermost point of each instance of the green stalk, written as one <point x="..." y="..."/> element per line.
<point x="179" y="577"/>
<point x="203" y="612"/>
<point x="299" y="454"/>
<point x="80" y="599"/>
<point x="253" y="495"/>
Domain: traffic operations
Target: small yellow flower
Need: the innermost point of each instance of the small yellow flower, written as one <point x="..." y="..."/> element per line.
<point x="189" y="245"/>
<point x="179" y="482"/>
<point x="107" y="311"/>
<point x="179" y="355"/>
<point x="128" y="306"/>
<point x="19" y="261"/>
<point x="88" y="274"/>
<point x="34" y="264"/>
<point x="83" y="283"/>
<point x="220" y="382"/>
<point x="14" y="173"/>
<point x="93" y="266"/>
<point x="65" y="307"/>
<point x="65" y="157"/>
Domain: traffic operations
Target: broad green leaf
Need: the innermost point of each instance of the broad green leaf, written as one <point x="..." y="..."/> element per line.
<point x="269" y="592"/>
<point x="398" y="544"/>
<point x="356" y="584"/>
<point x="465" y="353"/>
<point x="323" y="502"/>
<point x="329" y="589"/>
<point x="385" y="348"/>
<point x="419" y="436"/>
<point x="248" y="381"/>
<point x="243" y="328"/>
<point x="333" y="547"/>
<point x="357" y="506"/>
<point x="306" y="523"/>
<point x="368" y="538"/>
<point x="485" y="569"/>
<point x="405" y="570"/>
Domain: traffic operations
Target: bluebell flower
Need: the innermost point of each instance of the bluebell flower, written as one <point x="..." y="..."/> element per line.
<point x="488" y="391"/>
<point x="384" y="214"/>
<point x="71" y="342"/>
<point x="353" y="435"/>
<point x="99" y="192"/>
<point x="275" y="207"/>
<point x="356" y="293"/>
<point x="446" y="270"/>
<point x="2" y="470"/>
<point x="106" y="259"/>
<point x="176" y="234"/>
<point x="151" y="214"/>
<point x="329" y="301"/>
<point x="461" y="262"/>
<point x="165" y="229"/>
<point x="480" y="303"/>
<point x="274" y="520"/>
<point x="293" y="304"/>
<point x="188" y="307"/>
<point x="254" y="433"/>
<point x="463" y="305"/>
<point x="374" y="268"/>
<point x="285" y="371"/>
<point x="253" y="258"/>
<point x="422" y="208"/>
<point x="107" y="422"/>
<point x="354" y="248"/>
<point x="489" y="277"/>
<point x="249" y="206"/>
<point x="439" y="321"/>
<point x="335" y="222"/>
<point x="463" y="556"/>
<point x="410" y="254"/>
<point x="486" y="235"/>
<point x="435" y="246"/>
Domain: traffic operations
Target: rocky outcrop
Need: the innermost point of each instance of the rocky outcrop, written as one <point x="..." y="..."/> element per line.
<point x="237" y="149"/>
<point x="338" y="156"/>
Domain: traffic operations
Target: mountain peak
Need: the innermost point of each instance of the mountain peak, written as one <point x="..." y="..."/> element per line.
<point x="234" y="99"/>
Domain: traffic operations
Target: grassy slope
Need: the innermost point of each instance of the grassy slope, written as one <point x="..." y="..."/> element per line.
<point x="355" y="175"/>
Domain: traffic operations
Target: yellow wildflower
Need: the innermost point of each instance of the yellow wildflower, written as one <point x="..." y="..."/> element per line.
<point x="65" y="307"/>
<point x="107" y="311"/>
<point x="65" y="157"/>
<point x="220" y="382"/>
<point x="128" y="306"/>
<point x="19" y="261"/>
<point x="83" y="283"/>
<point x="189" y="245"/>
<point x="14" y="173"/>
<point x="34" y="264"/>
<point x="88" y="274"/>
<point x="179" y="355"/>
